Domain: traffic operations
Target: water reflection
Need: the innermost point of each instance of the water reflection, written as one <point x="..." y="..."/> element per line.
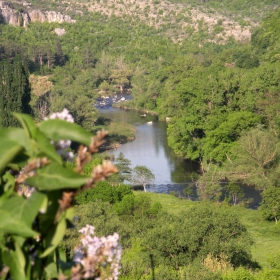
<point x="150" y="148"/>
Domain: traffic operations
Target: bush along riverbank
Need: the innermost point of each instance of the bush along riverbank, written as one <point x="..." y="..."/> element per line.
<point x="129" y="105"/>
<point x="119" y="133"/>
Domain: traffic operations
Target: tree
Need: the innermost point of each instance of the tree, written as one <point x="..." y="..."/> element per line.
<point x="121" y="75"/>
<point x="80" y="107"/>
<point x="255" y="159"/>
<point x="6" y="80"/>
<point x="208" y="185"/>
<point x="105" y="192"/>
<point x="270" y="205"/>
<point x="15" y="91"/>
<point x="188" y="191"/>
<point x="219" y="141"/>
<point x="204" y="229"/>
<point x="124" y="170"/>
<point x="142" y="175"/>
<point x="88" y="57"/>
<point x="235" y="192"/>
<point x="247" y="61"/>
<point x="59" y="56"/>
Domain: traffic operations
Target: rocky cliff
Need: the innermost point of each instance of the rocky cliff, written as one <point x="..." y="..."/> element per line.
<point x="12" y="16"/>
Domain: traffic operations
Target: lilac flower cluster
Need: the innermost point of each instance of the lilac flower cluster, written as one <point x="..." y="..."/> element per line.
<point x="98" y="254"/>
<point x="64" y="115"/>
<point x="62" y="145"/>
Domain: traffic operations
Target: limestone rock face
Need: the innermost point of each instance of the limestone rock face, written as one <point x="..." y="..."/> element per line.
<point x="49" y="16"/>
<point x="11" y="16"/>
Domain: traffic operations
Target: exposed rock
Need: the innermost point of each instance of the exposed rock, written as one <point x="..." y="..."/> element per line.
<point x="11" y="16"/>
<point x="60" y="31"/>
<point x="49" y="16"/>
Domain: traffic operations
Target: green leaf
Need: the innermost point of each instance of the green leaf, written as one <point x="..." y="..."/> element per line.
<point x="50" y="206"/>
<point x="66" y="268"/>
<point x="27" y="124"/>
<point x="15" y="134"/>
<point x="32" y="206"/>
<point x="54" y="237"/>
<point x="45" y="146"/>
<point x="9" y="181"/>
<point x="8" y="151"/>
<point x="19" y="240"/>
<point x="70" y="214"/>
<point x="17" y="214"/>
<point x="55" y="177"/>
<point x="10" y="225"/>
<point x="62" y="130"/>
<point x="15" y="260"/>
<point x="51" y="271"/>
<point x="44" y="206"/>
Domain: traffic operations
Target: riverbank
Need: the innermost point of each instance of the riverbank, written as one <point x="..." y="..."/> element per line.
<point x="123" y="106"/>
<point x="119" y="134"/>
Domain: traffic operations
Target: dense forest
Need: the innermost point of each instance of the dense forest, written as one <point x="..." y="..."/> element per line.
<point x="179" y="60"/>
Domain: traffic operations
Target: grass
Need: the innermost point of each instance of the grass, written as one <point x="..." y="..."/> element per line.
<point x="266" y="234"/>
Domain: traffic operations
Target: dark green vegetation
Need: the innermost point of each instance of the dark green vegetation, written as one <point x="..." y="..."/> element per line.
<point x="14" y="91"/>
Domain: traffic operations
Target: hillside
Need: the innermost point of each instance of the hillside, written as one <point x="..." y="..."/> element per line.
<point x="214" y="21"/>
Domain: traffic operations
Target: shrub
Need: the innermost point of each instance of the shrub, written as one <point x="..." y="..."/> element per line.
<point x="204" y="229"/>
<point x="105" y="192"/>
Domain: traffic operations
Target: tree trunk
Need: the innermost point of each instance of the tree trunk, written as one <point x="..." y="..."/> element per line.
<point x="144" y="185"/>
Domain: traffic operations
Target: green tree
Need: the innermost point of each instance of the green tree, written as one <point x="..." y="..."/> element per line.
<point x="121" y="75"/>
<point x="235" y="192"/>
<point x="124" y="169"/>
<point x="105" y="192"/>
<point x="202" y="230"/>
<point x="88" y="57"/>
<point x="240" y="273"/>
<point x="15" y="91"/>
<point x="188" y="191"/>
<point x="219" y="141"/>
<point x="208" y="185"/>
<point x="59" y="56"/>
<point x="247" y="60"/>
<point x="139" y="213"/>
<point x="142" y="175"/>
<point x="255" y="159"/>
<point x="98" y="213"/>
<point x="270" y="205"/>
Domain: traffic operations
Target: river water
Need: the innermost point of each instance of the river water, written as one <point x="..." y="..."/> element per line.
<point x="150" y="149"/>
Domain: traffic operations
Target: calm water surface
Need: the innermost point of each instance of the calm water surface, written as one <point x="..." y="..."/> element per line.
<point x="150" y="149"/>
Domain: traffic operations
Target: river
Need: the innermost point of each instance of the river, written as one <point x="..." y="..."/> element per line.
<point x="150" y="149"/>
